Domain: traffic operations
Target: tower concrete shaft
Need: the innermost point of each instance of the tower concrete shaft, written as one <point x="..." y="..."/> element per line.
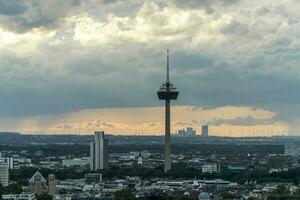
<point x="167" y="161"/>
<point x="167" y="92"/>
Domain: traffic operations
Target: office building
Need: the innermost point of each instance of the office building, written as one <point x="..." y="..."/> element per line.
<point x="188" y="132"/>
<point x="140" y="159"/>
<point x="10" y="162"/>
<point x="204" y="132"/>
<point x="99" y="152"/>
<point x="211" y="168"/>
<point x="4" y="173"/>
<point x="82" y="162"/>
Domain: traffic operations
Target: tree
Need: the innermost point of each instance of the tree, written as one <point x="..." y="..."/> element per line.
<point x="253" y="198"/>
<point x="43" y="196"/>
<point x="124" y="194"/>
<point x="296" y="181"/>
<point x="13" y="189"/>
<point x="1" y="191"/>
<point x="227" y="195"/>
<point x="182" y="197"/>
<point x="281" y="193"/>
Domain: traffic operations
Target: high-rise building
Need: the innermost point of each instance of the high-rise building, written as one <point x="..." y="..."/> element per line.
<point x="10" y="162"/>
<point x="189" y="132"/>
<point x="92" y="156"/>
<point x="140" y="159"/>
<point x="167" y="92"/>
<point x="204" y="132"/>
<point x="99" y="152"/>
<point x="4" y="173"/>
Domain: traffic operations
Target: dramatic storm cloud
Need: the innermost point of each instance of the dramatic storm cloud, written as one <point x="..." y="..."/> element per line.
<point x="59" y="57"/>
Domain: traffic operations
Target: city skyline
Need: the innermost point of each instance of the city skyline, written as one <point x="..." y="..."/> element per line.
<point x="79" y="66"/>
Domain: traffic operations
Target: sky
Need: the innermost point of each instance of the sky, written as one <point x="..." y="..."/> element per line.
<point x="76" y="66"/>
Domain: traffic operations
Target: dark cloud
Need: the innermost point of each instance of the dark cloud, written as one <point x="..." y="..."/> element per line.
<point x="21" y="16"/>
<point x="96" y="81"/>
<point x="236" y="28"/>
<point x="241" y="121"/>
<point x="20" y="24"/>
<point x="204" y="4"/>
<point x="111" y="1"/>
<point x="104" y="77"/>
<point x="12" y="7"/>
<point x="205" y="80"/>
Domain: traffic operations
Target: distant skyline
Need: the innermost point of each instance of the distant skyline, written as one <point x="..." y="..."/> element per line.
<point x="227" y="121"/>
<point x="84" y="65"/>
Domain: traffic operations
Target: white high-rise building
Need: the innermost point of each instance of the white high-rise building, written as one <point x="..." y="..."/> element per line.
<point x="10" y="162"/>
<point x="4" y="173"/>
<point x="140" y="159"/>
<point x="98" y="152"/>
<point x="92" y="156"/>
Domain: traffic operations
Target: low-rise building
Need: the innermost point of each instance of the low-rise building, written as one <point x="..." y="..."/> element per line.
<point x="76" y="162"/>
<point x="22" y="196"/>
<point x="93" y="178"/>
<point x="211" y="168"/>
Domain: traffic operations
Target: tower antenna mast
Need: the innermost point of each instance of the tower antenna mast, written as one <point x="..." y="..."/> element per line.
<point x="168" y="68"/>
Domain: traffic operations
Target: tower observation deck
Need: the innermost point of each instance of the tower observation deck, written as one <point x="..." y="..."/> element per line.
<point x="167" y="92"/>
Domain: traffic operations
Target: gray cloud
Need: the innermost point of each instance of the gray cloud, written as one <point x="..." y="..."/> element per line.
<point x="205" y="4"/>
<point x="12" y="7"/>
<point x="99" y="80"/>
<point x="21" y="16"/>
<point x="241" y="121"/>
<point x="111" y="1"/>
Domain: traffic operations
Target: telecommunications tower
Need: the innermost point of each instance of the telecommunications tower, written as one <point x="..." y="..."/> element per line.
<point x="167" y="92"/>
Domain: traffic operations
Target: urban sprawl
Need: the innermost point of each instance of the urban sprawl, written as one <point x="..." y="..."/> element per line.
<point x="121" y="167"/>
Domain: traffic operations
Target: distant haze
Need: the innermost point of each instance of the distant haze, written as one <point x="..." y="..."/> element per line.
<point x="227" y="121"/>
